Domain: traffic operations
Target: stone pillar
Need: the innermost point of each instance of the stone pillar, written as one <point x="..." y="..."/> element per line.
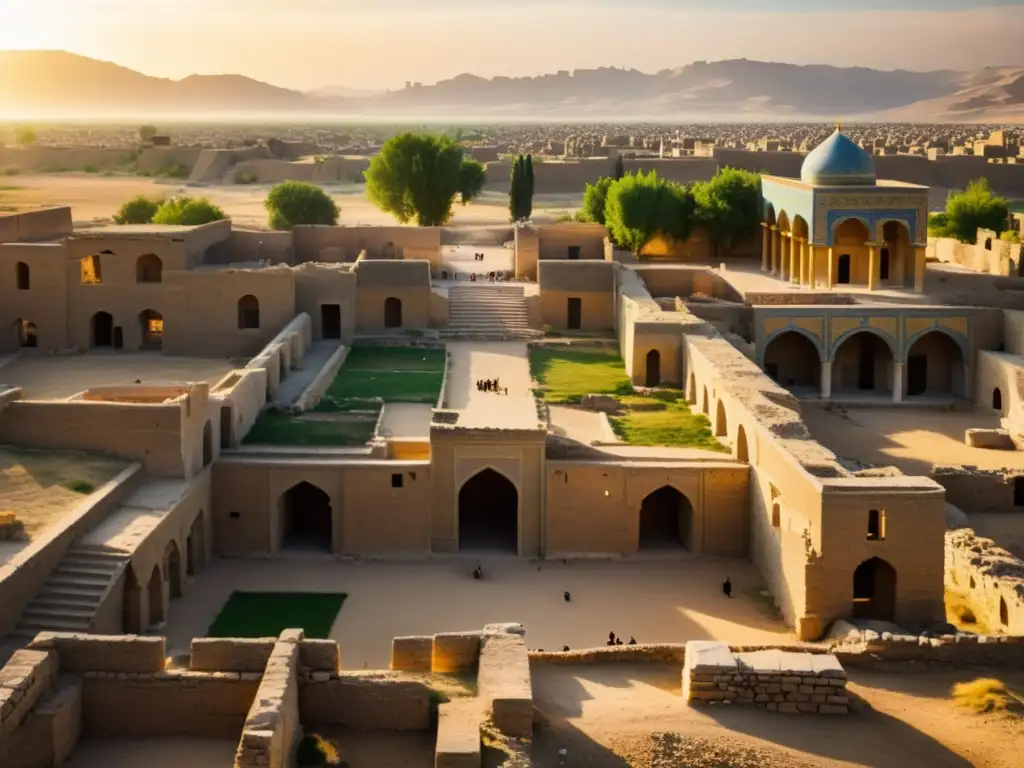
<point x="775" y="249"/>
<point x="920" y="265"/>
<point x="794" y="259"/>
<point x="831" y="268"/>
<point x="786" y="246"/>
<point x="805" y="262"/>
<point x="826" y="380"/>
<point x="765" y="247"/>
<point x="872" y="266"/>
<point x="897" y="382"/>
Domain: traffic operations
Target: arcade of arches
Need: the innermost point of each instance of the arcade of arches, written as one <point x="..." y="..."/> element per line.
<point x="863" y="364"/>
<point x="489" y="514"/>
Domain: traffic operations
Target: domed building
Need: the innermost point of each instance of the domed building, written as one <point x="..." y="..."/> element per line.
<point x="840" y="225"/>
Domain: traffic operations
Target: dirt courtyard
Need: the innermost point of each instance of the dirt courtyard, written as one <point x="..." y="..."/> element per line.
<point x="56" y="377"/>
<point x="913" y="439"/>
<point x="625" y="714"/>
<point x="669" y="600"/>
<point x="94" y="197"/>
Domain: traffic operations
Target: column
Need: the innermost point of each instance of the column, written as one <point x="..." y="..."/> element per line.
<point x="794" y="259"/>
<point x="831" y="268"/>
<point x="765" y="247"/>
<point x="920" y="265"/>
<point x="812" y="258"/>
<point x="775" y="249"/>
<point x="872" y="266"/>
<point x="897" y="382"/>
<point x="786" y="246"/>
<point x="804" y="262"/>
<point x="826" y="380"/>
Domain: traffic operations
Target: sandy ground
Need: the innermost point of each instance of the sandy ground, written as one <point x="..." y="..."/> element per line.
<point x="653" y="600"/>
<point x="62" y="376"/>
<point x="633" y="715"/>
<point x="153" y="753"/>
<point x="506" y="361"/>
<point x="99" y="197"/>
<point x="459" y="259"/>
<point x="406" y="420"/>
<point x="378" y="749"/>
<point x="913" y="439"/>
<point x="585" y="427"/>
<point x="33" y="485"/>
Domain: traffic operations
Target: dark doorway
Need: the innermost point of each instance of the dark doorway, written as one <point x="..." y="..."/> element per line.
<point x="173" y="568"/>
<point x="118" y="337"/>
<point x="27" y="336"/>
<point x="207" y="444"/>
<point x="866" y="367"/>
<point x="874" y="591"/>
<point x="151" y="325"/>
<point x="102" y="329"/>
<point x="330" y="320"/>
<point x="392" y="312"/>
<point x="306" y="518"/>
<point x="653" y="372"/>
<point x="917" y="374"/>
<point x="574" y="314"/>
<point x="666" y="518"/>
<point x="574" y="252"/>
<point x="843" y="273"/>
<point x="226" y="422"/>
<point x="489" y="514"/>
<point x="883" y="264"/>
<point x="1018" y="491"/>
<point x="997" y="399"/>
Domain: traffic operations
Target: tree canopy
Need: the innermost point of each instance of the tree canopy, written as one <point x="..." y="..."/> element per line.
<point x="188" y="211"/>
<point x="595" y="197"/>
<point x="520" y="196"/>
<point x="138" y="210"/>
<point x="419" y="176"/>
<point x="641" y="206"/>
<point x="291" y="203"/>
<point x="728" y="206"/>
<point x="966" y="212"/>
<point x="26" y="137"/>
<point x="147" y="132"/>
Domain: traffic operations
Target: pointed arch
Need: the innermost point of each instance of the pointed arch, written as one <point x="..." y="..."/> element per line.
<point x="306" y="517"/>
<point x="157" y="602"/>
<point x="248" y="312"/>
<point x="149" y="268"/>
<point x="22" y="276"/>
<point x="488" y="513"/>
<point x="721" y="420"/>
<point x="666" y="520"/>
<point x="874" y="590"/>
<point x="172" y="564"/>
<point x="705" y="407"/>
<point x="741" y="448"/>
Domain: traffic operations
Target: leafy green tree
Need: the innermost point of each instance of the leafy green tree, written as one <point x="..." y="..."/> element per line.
<point x="620" y="168"/>
<point x="294" y="202"/>
<point x="147" y="132"/>
<point x="640" y="206"/>
<point x="528" y="187"/>
<point x="138" y="210"/>
<point x="967" y="212"/>
<point x="595" y="196"/>
<point x="728" y="206"/>
<point x="418" y="176"/>
<point x="26" y="137"/>
<point x="188" y="211"/>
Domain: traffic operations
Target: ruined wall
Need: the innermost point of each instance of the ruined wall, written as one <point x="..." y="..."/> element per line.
<point x="685" y="282"/>
<point x="378" y="242"/>
<point x="979" y="490"/>
<point x="988" y="254"/>
<point x="591" y="284"/>
<point x="272" y="726"/>
<point x="990" y="578"/>
<point x="999" y="385"/>
<point x="44" y="224"/>
<point x="245" y="245"/>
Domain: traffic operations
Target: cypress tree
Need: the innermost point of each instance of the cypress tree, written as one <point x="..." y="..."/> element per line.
<point x="528" y="191"/>
<point x="620" y="168"/>
<point x="514" y="190"/>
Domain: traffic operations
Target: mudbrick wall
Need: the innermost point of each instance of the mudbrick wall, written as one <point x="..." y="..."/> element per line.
<point x="272" y="726"/>
<point x="991" y="579"/>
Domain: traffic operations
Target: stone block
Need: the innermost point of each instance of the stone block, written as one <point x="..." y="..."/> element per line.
<point x="455" y="652"/>
<point x="320" y="655"/>
<point x="788" y="706"/>
<point x="213" y="654"/>
<point x="708" y="656"/>
<point x="103" y="653"/>
<point x="832" y="709"/>
<point x="807" y="707"/>
<point x="992" y="439"/>
<point x="827" y="665"/>
<point x="458" y="735"/>
<point x="840" y="700"/>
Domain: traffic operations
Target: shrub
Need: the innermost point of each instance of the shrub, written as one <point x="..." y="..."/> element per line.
<point x="188" y="211"/>
<point x="1010" y="236"/>
<point x="241" y="176"/>
<point x="985" y="694"/>
<point x="292" y="203"/>
<point x="92" y="168"/>
<point x="315" y="750"/>
<point x="138" y="210"/>
<point x="176" y="171"/>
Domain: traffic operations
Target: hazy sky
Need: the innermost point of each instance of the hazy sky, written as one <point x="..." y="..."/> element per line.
<point x="382" y="43"/>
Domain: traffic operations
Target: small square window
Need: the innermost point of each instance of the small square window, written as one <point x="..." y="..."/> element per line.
<point x="876" y="525"/>
<point x="396" y="480"/>
<point x="234" y="515"/>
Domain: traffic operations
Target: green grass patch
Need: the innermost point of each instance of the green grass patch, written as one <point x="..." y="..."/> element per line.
<point x="664" y="418"/>
<point x="81" y="486"/>
<point x="9" y="188"/>
<point x="340" y="429"/>
<point x="565" y="374"/>
<point x="267" y="614"/>
<point x="391" y="374"/>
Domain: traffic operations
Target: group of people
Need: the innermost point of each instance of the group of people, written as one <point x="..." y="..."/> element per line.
<point x="613" y="640"/>
<point x="478" y="257"/>
<point x="491" y="277"/>
<point x="490" y="385"/>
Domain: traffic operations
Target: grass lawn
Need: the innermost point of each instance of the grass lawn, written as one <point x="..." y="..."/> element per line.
<point x="267" y="614"/>
<point x="348" y="411"/>
<point x="565" y="374"/>
<point x="664" y="418"/>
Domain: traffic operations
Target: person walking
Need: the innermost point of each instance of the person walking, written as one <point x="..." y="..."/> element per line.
<point x="727" y="587"/>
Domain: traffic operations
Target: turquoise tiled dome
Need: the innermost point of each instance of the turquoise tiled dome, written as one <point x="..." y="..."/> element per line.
<point x="838" y="161"/>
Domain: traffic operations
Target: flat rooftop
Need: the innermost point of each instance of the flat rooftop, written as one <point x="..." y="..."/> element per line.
<point x="136" y="230"/>
<point x="61" y="376"/>
<point x="912" y="439"/>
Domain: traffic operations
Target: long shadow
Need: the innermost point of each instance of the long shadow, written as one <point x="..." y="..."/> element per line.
<point x="552" y="733"/>
<point x="930" y="683"/>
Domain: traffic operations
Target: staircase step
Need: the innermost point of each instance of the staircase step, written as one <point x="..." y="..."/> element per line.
<point x="55" y="599"/>
<point x="59" y="612"/>
<point x="85" y="569"/>
<point x="32" y="627"/>
<point x="73" y="592"/>
<point x="60" y="579"/>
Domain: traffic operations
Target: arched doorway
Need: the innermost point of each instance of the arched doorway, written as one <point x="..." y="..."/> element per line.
<point x="306" y="518"/>
<point x="27" y="336"/>
<point x="883" y="264"/>
<point x="195" y="545"/>
<point x="173" y="567"/>
<point x="843" y="269"/>
<point x="863" y="364"/>
<point x="997" y="399"/>
<point x="874" y="590"/>
<point x="489" y="513"/>
<point x="392" y="312"/>
<point x="157" y="609"/>
<point x="691" y="390"/>
<point x="792" y="360"/>
<point x="149" y="269"/>
<point x="742" y="452"/>
<point x="207" y="444"/>
<point x="1004" y="613"/>
<point x="102" y="330"/>
<point x="666" y="520"/>
<point x="704" y="407"/>
<point x="151" y="326"/>
<point x="721" y="420"/>
<point x="131" y="615"/>
<point x="653" y="372"/>
<point x="935" y="367"/>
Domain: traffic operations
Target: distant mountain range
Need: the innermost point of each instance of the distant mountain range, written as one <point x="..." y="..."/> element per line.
<point x="64" y="84"/>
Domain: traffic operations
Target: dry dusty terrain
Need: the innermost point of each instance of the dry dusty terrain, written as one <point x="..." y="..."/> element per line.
<point x="624" y="714"/>
<point x="667" y="600"/>
<point x="37" y="486"/>
<point x="94" y="197"/>
<point x="153" y="753"/>
<point x="913" y="439"/>
<point x="49" y="378"/>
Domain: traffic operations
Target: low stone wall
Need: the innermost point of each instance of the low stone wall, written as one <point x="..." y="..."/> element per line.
<point x="990" y="578"/>
<point x="272" y="726"/>
<point x="103" y="653"/>
<point x="412" y="654"/>
<point x="369" y="701"/>
<point x="652" y="654"/>
<point x="455" y="652"/>
<point x="776" y="680"/>
<point x="503" y="682"/>
<point x="213" y="654"/>
<point x="314" y="392"/>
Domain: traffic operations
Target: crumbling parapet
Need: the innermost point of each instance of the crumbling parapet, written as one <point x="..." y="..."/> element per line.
<point x="989" y="577"/>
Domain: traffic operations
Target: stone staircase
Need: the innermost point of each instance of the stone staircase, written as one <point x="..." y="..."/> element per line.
<point x="488" y="311"/>
<point x="70" y="597"/>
